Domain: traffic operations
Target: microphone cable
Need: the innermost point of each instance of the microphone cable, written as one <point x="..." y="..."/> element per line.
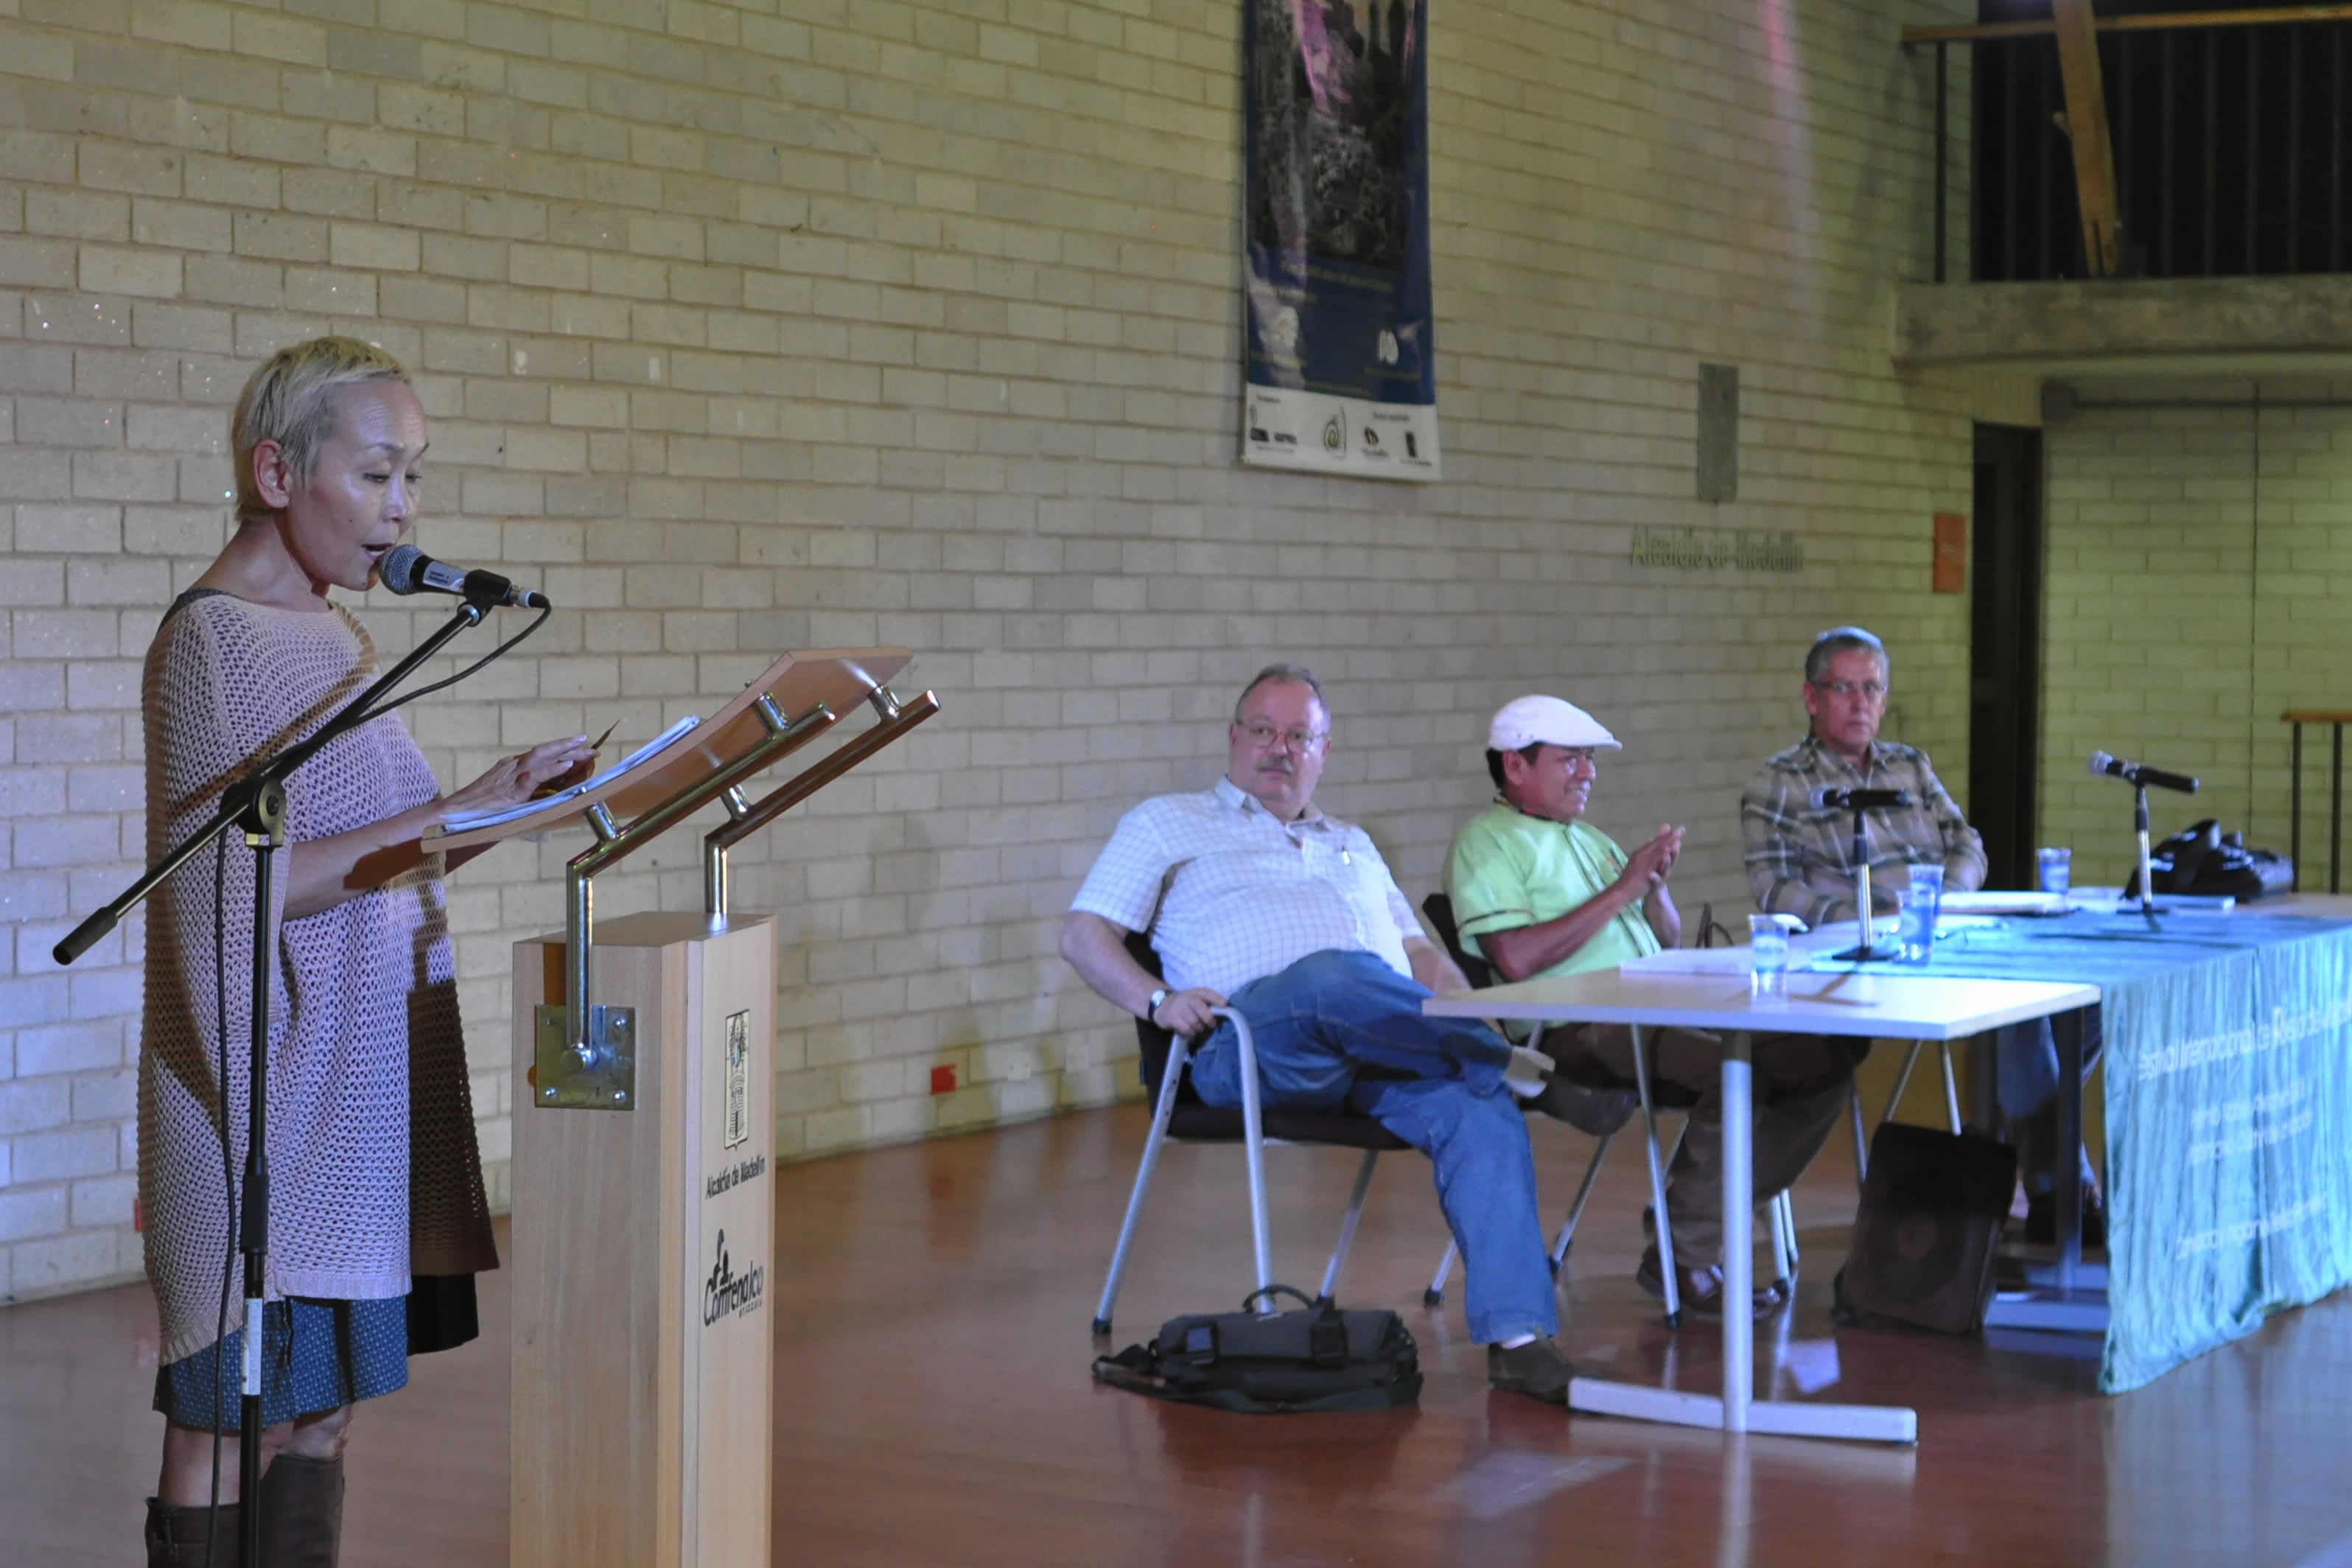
<point x="228" y="1179"/>
<point x="497" y="653"/>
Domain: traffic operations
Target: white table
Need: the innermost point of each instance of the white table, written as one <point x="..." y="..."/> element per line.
<point x="1867" y="1005"/>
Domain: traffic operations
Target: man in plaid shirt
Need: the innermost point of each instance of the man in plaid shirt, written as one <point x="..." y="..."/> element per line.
<point x="1258" y="902"/>
<point x="1800" y="855"/>
<point x="1800" y="862"/>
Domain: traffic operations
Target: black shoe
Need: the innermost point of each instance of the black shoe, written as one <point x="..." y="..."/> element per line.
<point x="1599" y="1111"/>
<point x="1537" y="1369"/>
<point x="1702" y="1293"/>
<point x="2041" y="1219"/>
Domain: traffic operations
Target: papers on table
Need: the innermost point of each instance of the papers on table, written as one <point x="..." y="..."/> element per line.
<point x="2111" y="901"/>
<point x="1835" y="937"/>
<point x="561" y="801"/>
<point x="1988" y="903"/>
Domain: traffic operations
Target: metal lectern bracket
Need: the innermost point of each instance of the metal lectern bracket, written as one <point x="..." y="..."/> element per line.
<point x="584" y="1055"/>
<point x="599" y="1074"/>
<point x="745" y="818"/>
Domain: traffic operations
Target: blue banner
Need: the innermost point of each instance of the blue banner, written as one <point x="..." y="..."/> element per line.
<point x="1341" y="369"/>
<point x="2229" y="1113"/>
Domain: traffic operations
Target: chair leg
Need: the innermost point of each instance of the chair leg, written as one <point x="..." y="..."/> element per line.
<point x="1567" y="1238"/>
<point x="1435" y="1295"/>
<point x="1665" y="1232"/>
<point x="1348" y="1224"/>
<point x="1861" y="1141"/>
<point x="1902" y="1082"/>
<point x="1253" y="1148"/>
<point x="1153" y="1142"/>
<point x="1784" y="1246"/>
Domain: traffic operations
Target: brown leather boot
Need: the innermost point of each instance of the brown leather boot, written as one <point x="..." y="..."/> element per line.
<point x="301" y="1511"/>
<point x="176" y="1536"/>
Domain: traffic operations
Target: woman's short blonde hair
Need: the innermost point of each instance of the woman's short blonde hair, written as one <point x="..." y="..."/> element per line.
<point x="291" y="401"/>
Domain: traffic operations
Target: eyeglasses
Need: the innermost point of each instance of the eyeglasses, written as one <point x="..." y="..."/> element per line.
<point x="1263" y="735"/>
<point x="1869" y="690"/>
<point x="1578" y="758"/>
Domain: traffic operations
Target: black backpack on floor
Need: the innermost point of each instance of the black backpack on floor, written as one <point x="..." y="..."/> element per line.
<point x="1923" y="1238"/>
<point x="1317" y="1357"/>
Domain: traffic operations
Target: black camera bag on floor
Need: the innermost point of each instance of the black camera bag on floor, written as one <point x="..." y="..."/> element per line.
<point x="1315" y="1358"/>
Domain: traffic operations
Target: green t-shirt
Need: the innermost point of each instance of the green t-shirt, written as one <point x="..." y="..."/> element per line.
<point x="1508" y="870"/>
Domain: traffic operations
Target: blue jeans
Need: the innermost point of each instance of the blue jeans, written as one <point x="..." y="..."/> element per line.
<point x="1343" y="1028"/>
<point x="2026" y="1071"/>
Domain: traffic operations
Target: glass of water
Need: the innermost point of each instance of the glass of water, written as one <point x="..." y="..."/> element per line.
<point x="1768" y="957"/>
<point x="1920" y="905"/>
<point x="2057" y="869"/>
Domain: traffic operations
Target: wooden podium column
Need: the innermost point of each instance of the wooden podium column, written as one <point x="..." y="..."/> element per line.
<point x="642" y="1379"/>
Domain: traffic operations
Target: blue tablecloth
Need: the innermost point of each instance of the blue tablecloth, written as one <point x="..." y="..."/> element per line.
<point x="2229" y="1113"/>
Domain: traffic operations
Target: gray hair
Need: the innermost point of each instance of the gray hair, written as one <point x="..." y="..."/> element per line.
<point x="1843" y="639"/>
<point x="1284" y="675"/>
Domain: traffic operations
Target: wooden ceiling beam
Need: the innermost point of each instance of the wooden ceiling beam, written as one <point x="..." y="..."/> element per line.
<point x="2086" y="131"/>
<point x="1964" y="33"/>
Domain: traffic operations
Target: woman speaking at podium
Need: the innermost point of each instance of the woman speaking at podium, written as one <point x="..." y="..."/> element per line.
<point x="377" y="1220"/>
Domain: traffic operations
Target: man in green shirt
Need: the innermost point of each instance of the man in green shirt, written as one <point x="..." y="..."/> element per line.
<point x="1537" y="890"/>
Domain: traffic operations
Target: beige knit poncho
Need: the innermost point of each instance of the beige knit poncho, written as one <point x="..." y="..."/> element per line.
<point x="372" y="1164"/>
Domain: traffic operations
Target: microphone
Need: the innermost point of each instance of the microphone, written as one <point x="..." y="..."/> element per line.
<point x="2140" y="774"/>
<point x="1830" y="798"/>
<point x="408" y="570"/>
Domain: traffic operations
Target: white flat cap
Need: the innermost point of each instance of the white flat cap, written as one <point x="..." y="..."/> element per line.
<point x="1525" y="721"/>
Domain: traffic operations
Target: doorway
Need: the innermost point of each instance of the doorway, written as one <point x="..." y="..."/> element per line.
<point x="2005" y="650"/>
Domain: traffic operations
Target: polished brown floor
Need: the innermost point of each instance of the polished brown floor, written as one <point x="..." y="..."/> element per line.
<point x="934" y="1405"/>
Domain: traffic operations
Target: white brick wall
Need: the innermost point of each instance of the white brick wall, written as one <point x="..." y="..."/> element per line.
<point x="919" y="324"/>
<point x="2200" y="555"/>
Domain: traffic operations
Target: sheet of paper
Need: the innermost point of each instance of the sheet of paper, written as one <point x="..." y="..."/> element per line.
<point x="1988" y="903"/>
<point x="560" y="802"/>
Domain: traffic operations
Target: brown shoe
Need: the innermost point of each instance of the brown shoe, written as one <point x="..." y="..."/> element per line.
<point x="1599" y="1111"/>
<point x="1537" y="1369"/>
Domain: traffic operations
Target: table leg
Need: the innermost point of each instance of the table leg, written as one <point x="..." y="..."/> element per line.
<point x="1738" y="1410"/>
<point x="2336" y="816"/>
<point x="1738" y="1243"/>
<point x="2066" y="1157"/>
<point x="2294" y="810"/>
<point x="2072" y="1297"/>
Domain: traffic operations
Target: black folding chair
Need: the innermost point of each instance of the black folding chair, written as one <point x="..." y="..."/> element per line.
<point x="1179" y="1114"/>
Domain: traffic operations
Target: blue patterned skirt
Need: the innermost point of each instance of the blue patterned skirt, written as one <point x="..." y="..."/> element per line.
<point x="318" y="1354"/>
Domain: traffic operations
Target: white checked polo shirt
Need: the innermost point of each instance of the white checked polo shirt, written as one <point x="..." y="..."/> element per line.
<point x="1230" y="893"/>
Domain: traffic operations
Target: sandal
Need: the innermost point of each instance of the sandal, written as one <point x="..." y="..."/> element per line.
<point x="1701" y="1289"/>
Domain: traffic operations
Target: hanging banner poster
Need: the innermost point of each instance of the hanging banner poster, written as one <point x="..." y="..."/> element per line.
<point x="1341" y="371"/>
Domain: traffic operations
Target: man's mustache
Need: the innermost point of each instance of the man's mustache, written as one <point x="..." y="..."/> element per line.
<point x="1283" y="765"/>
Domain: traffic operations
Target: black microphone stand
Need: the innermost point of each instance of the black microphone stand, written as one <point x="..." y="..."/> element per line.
<point x="257" y="807"/>
<point x="1863" y="953"/>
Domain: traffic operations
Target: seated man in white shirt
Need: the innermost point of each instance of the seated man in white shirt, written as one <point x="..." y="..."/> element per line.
<point x="1542" y="891"/>
<point x="1255" y="899"/>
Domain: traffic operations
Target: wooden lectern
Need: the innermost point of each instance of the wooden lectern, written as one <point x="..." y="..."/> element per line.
<point x="644" y="1142"/>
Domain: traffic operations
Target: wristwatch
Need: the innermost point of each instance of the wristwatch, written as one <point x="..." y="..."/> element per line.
<point x="1152" y="1008"/>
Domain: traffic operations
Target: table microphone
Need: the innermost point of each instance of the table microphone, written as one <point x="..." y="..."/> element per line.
<point x="1830" y="798"/>
<point x="408" y="570"/>
<point x="2140" y="774"/>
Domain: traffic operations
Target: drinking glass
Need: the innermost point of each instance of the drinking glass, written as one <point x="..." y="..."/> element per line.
<point x="1768" y="955"/>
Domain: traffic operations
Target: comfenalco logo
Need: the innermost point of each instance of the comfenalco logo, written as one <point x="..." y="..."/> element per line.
<point x="726" y="1292"/>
